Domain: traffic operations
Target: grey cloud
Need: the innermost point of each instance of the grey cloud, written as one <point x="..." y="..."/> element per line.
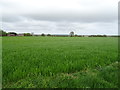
<point x="62" y="27"/>
<point x="12" y="18"/>
<point x="73" y="16"/>
<point x="96" y="20"/>
<point x="104" y="16"/>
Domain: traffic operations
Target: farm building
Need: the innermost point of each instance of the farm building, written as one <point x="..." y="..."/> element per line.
<point x="12" y="34"/>
<point x="20" y="34"/>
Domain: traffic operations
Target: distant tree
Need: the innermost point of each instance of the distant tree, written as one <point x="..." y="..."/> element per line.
<point x="76" y="35"/>
<point x="72" y="34"/>
<point x="27" y="34"/>
<point x="48" y="34"/>
<point x="12" y="33"/>
<point x="104" y="35"/>
<point x="98" y="36"/>
<point x="3" y="33"/>
<point x="42" y="34"/>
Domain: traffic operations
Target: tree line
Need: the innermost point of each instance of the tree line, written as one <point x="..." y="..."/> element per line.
<point x="3" y="33"/>
<point x="71" y="34"/>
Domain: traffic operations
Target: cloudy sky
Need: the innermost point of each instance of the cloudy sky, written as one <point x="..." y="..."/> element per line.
<point x="60" y="16"/>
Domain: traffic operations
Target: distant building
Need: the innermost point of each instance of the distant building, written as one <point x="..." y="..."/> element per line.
<point x="86" y="35"/>
<point x="32" y="33"/>
<point x="60" y="35"/>
<point x="12" y="34"/>
<point x="20" y="34"/>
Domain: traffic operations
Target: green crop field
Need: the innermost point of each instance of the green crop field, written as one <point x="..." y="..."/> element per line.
<point x="60" y="62"/>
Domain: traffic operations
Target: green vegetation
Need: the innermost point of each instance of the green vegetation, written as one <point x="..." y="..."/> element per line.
<point x="3" y="33"/>
<point x="27" y="34"/>
<point x="64" y="62"/>
<point x="0" y="62"/>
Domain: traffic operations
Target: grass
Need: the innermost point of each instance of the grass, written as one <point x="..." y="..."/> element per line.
<point x="60" y="62"/>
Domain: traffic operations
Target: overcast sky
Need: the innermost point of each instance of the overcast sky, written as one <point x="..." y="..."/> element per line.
<point x="60" y="16"/>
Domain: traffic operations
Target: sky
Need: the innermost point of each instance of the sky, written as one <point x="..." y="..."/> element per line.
<point x="84" y="17"/>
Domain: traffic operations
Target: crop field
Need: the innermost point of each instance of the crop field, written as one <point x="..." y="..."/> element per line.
<point x="59" y="62"/>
